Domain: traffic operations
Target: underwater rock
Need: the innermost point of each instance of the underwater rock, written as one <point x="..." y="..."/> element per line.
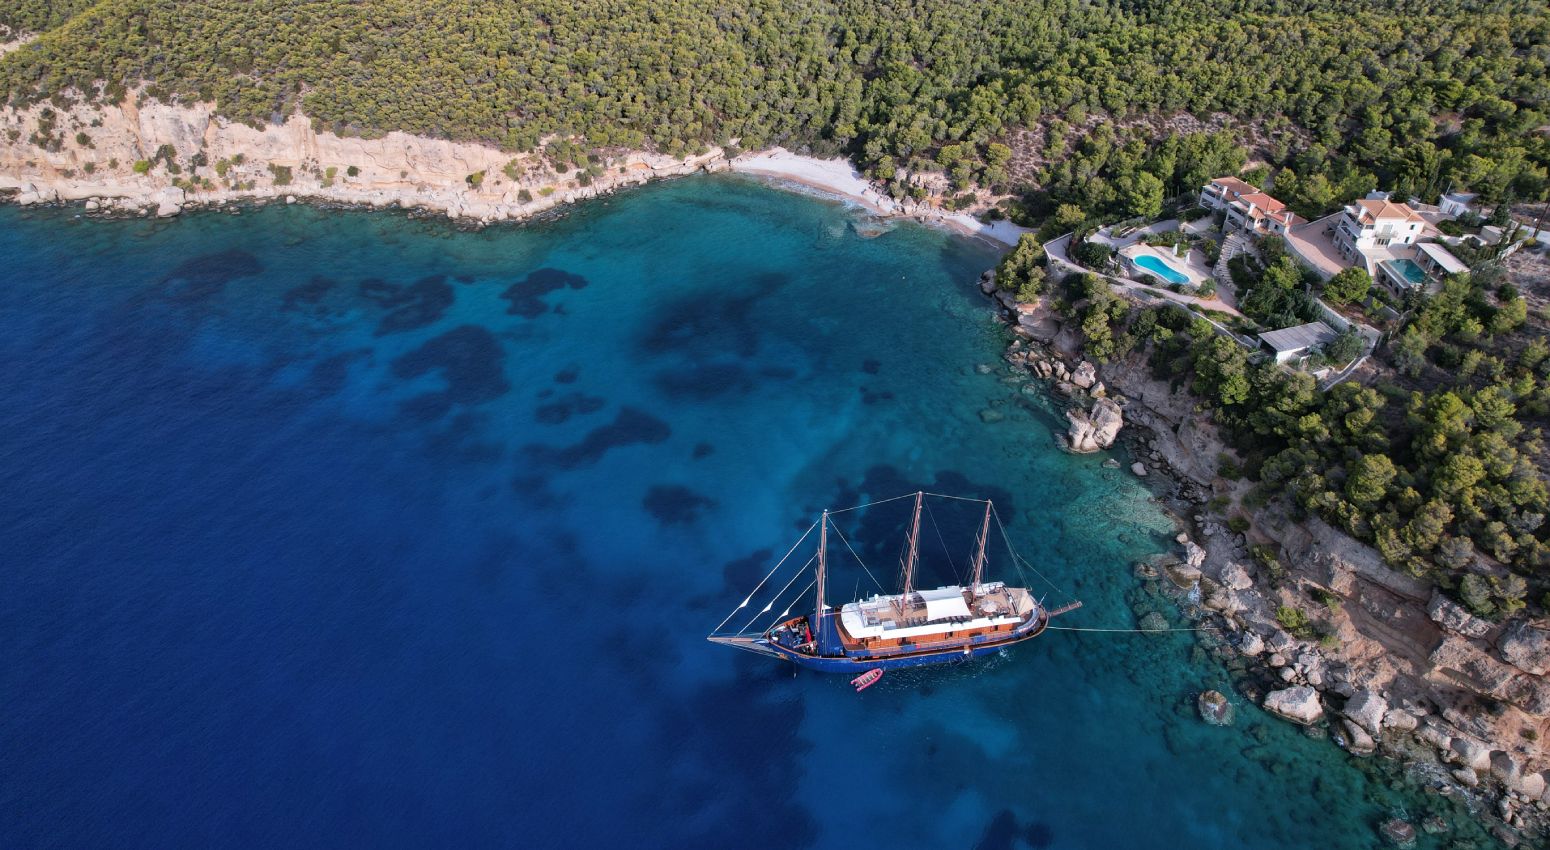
<point x="1214" y="708"/>
<point x="1398" y="833"/>
<point x="1111" y="463"/>
<point x="989" y="416"/>
<point x="1434" y="825"/>
<point x="1298" y="704"/>
<point x="1154" y="622"/>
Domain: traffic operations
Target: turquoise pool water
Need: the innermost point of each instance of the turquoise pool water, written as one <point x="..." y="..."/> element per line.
<point x="1408" y="271"/>
<point x="1159" y="268"/>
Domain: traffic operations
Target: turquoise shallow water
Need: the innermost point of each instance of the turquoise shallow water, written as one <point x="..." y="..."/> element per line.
<point x="346" y="529"/>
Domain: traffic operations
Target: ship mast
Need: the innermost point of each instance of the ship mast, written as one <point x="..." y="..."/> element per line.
<point x="823" y="568"/>
<point x="913" y="554"/>
<point x="979" y="552"/>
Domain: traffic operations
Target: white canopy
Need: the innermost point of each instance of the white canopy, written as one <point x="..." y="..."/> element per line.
<point x="944" y="603"/>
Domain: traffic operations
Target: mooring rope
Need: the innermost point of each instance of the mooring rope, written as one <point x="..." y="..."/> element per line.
<point x="1138" y="631"/>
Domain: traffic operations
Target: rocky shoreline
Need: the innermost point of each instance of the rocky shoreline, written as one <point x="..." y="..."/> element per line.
<point x="1385" y="666"/>
<point x="144" y="158"/>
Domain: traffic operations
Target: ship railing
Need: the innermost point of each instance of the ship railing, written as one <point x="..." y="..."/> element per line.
<point x="927" y="646"/>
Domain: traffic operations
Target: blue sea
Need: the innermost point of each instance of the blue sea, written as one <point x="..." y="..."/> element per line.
<point x="345" y="529"/>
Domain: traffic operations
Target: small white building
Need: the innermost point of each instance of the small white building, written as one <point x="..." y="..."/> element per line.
<point x="1455" y="204"/>
<point x="1295" y="343"/>
<point x="1372" y="223"/>
<point x="1245" y="208"/>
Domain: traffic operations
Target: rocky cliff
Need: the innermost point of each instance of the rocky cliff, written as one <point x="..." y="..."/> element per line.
<point x="150" y="156"/>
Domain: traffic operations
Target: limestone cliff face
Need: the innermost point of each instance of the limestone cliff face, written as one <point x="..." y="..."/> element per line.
<point x="89" y="151"/>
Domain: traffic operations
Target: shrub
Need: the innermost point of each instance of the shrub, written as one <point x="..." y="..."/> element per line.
<point x="83" y="140"/>
<point x="1295" y="622"/>
<point x="352" y="171"/>
<point x="142" y="166"/>
<point x="525" y="196"/>
<point x="474" y="180"/>
<point x="1091" y="254"/>
<point x="282" y="174"/>
<point x="1238" y="524"/>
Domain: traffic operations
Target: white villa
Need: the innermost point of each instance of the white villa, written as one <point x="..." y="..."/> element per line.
<point x="1374" y="223"/>
<point x="1246" y="208"/>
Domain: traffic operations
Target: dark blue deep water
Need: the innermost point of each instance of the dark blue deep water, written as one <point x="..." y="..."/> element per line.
<point x="331" y="529"/>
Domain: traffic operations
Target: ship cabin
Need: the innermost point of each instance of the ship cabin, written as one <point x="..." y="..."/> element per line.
<point x="928" y="616"/>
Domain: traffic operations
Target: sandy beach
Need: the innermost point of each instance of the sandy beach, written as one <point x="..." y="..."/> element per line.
<point x="840" y="179"/>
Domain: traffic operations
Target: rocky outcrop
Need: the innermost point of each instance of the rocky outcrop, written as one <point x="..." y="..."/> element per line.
<point x="1367" y="710"/>
<point x="1091" y="431"/>
<point x="1298" y="704"/>
<point x="1452" y="617"/>
<point x="1526" y="647"/>
<point x="1084" y="375"/>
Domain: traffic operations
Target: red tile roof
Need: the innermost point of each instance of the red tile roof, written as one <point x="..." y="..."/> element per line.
<point x="1368" y="211"/>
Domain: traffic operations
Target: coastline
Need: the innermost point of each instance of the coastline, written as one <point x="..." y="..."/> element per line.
<point x="1409" y="672"/>
<point x="151" y="158"/>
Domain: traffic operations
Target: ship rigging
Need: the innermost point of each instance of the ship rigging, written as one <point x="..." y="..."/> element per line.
<point x="912" y="627"/>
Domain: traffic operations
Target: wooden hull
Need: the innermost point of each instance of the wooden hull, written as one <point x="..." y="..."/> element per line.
<point x="856" y="662"/>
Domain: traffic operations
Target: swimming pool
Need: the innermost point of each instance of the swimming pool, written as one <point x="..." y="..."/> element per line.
<point x="1159" y="268"/>
<point x="1405" y="272"/>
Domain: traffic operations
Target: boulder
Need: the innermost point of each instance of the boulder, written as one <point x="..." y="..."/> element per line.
<point x="1193" y="554"/>
<point x="1471" y="753"/>
<point x="169" y="202"/>
<point x="1084" y="375"/>
<point x="1235" y="577"/>
<point x="1454" y="618"/>
<point x="1397" y="832"/>
<point x="93" y="206"/>
<point x="1358" y="742"/>
<point x="1298" y="704"/>
<point x="1183" y="575"/>
<point x="1139" y="469"/>
<point x="1466" y="777"/>
<point x="1251" y="644"/>
<point x="1526" y="648"/>
<point x="1404" y="721"/>
<point x="1530" y="693"/>
<point x="1107" y="420"/>
<point x="1214" y="708"/>
<point x="1367" y="710"/>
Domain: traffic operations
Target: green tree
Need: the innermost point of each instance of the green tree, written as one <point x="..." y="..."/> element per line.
<point x="1368" y="479"/>
<point x="1348" y="285"/>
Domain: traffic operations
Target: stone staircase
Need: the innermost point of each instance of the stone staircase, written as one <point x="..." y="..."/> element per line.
<point x="1232" y="246"/>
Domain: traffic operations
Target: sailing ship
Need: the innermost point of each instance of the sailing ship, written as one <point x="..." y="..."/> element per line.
<point x="910" y="628"/>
